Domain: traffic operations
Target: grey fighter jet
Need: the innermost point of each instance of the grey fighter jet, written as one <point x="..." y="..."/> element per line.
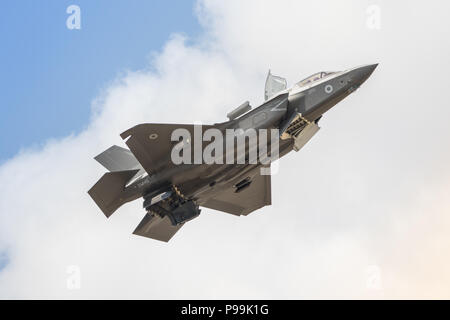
<point x="173" y="191"/>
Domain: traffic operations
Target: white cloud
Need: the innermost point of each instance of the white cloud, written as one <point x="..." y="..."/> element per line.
<point x="370" y="189"/>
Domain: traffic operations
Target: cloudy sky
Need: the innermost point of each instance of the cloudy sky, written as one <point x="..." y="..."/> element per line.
<point x="361" y="212"/>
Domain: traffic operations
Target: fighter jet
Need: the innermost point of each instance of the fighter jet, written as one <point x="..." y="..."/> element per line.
<point x="173" y="191"/>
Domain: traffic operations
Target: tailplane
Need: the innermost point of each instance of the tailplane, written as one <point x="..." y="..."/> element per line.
<point x="108" y="192"/>
<point x="116" y="158"/>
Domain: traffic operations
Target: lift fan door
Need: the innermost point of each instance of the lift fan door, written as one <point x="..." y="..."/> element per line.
<point x="274" y="84"/>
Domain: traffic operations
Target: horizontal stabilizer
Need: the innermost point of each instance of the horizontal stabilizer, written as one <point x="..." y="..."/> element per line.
<point x="116" y="158"/>
<point x="108" y="191"/>
<point x="155" y="227"/>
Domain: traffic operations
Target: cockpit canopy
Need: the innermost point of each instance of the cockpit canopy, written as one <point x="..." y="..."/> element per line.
<point x="275" y="84"/>
<point x="314" y="77"/>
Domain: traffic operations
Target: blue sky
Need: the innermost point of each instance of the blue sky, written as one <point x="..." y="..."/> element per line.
<point x="50" y="74"/>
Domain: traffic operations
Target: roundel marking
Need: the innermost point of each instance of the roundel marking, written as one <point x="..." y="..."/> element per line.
<point x="153" y="136"/>
<point x="328" y="88"/>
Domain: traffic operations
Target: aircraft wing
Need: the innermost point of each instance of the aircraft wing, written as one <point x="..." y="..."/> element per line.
<point x="243" y="196"/>
<point x="151" y="143"/>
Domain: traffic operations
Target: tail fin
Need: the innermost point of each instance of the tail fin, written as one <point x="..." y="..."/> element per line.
<point x="108" y="191"/>
<point x="118" y="159"/>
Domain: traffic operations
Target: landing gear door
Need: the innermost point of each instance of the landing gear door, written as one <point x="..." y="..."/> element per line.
<point x="274" y="84"/>
<point x="305" y="135"/>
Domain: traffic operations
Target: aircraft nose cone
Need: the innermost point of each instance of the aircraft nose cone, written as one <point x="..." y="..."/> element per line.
<point x="362" y="73"/>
